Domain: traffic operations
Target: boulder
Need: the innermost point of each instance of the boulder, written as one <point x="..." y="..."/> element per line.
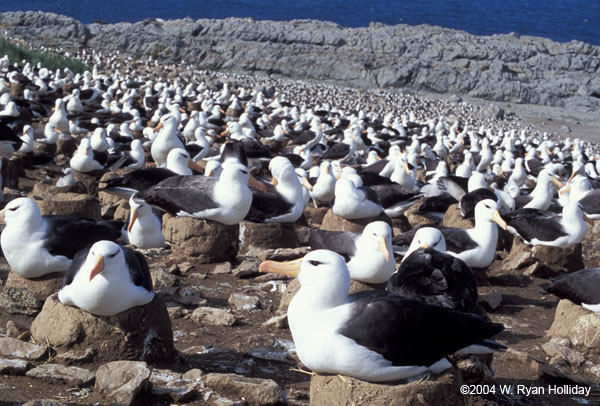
<point x="70" y="203"/>
<point x="401" y="224"/>
<point x="140" y="333"/>
<point x="107" y="198"/>
<point x="17" y="349"/>
<point x="19" y="300"/>
<point x="66" y="146"/>
<point x="47" y="188"/>
<point x="576" y="323"/>
<point x="14" y="366"/>
<point x="559" y="260"/>
<point x="453" y="218"/>
<point x="333" y="222"/>
<point x="213" y="316"/>
<point x="56" y="372"/>
<point x="314" y="215"/>
<point x="40" y="288"/>
<point x="441" y="389"/>
<point x="203" y="241"/>
<point x="414" y="218"/>
<point x="121" y="381"/>
<point x="266" y="235"/>
<point x="89" y="180"/>
<point x="255" y="391"/>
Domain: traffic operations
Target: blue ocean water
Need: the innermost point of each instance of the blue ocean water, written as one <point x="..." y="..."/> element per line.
<point x="560" y="20"/>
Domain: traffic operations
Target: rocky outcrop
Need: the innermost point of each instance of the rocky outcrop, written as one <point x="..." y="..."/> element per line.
<point x="422" y="58"/>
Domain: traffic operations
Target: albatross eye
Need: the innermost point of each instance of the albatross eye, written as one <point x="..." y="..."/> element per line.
<point x="113" y="255"/>
<point x="245" y="172"/>
<point x="13" y="208"/>
<point x="314" y="263"/>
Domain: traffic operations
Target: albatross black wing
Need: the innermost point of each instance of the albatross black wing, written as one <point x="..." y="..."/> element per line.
<point x="410" y="332"/>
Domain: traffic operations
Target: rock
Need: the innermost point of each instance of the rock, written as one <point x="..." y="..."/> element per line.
<point x="200" y="240"/>
<point x="528" y="366"/>
<point x="193" y="375"/>
<point x="453" y="218"/>
<point x="266" y="235"/>
<point x="414" y="218"/>
<point x="190" y="295"/>
<point x="560" y="260"/>
<point x="13" y="348"/>
<point x="56" y="372"/>
<point x="248" y="268"/>
<point x="577" y="324"/>
<point x="108" y="198"/>
<point x="140" y="333"/>
<point x="213" y="316"/>
<point x="245" y="302"/>
<point x="66" y="146"/>
<point x="314" y="215"/>
<point x="401" y="224"/>
<point x="46" y="188"/>
<point x="254" y="390"/>
<point x="13" y="366"/>
<point x="333" y="222"/>
<point x="121" y="381"/>
<point x="172" y="386"/>
<point x="122" y="211"/>
<point x="89" y="180"/>
<point x="441" y="389"/>
<point x="40" y="288"/>
<point x="19" y="301"/>
<point x="489" y="298"/>
<point x="474" y="369"/>
<point x="70" y="203"/>
<point x="289" y="293"/>
<point x="43" y="402"/>
<point x="278" y="254"/>
<point x="554" y="348"/>
<point x="223" y="268"/>
<point x="279" y="322"/>
<point x="162" y="281"/>
<point x="520" y="255"/>
<point x="15" y="331"/>
<point x="70" y="357"/>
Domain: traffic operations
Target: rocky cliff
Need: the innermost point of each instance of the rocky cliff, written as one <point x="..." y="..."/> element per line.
<point x="416" y="58"/>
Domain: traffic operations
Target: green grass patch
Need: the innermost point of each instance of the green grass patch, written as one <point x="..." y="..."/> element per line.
<point x="17" y="53"/>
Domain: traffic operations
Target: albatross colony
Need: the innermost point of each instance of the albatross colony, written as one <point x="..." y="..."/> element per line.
<point x="268" y="151"/>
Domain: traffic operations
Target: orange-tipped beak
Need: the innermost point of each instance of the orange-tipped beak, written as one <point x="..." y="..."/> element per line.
<point x="378" y="157"/>
<point x="383" y="248"/>
<point x="182" y="110"/>
<point x="134" y="216"/>
<point x="585" y="218"/>
<point x="2" y="216"/>
<point x="425" y="246"/>
<point x="557" y="182"/>
<point x="306" y="184"/>
<point x="209" y="173"/>
<point x="407" y="169"/>
<point x="224" y="133"/>
<point x="287" y="268"/>
<point x="326" y="170"/>
<point x="158" y="127"/>
<point x="85" y="151"/>
<point x="499" y="220"/>
<point x="98" y="267"/>
<point x="255" y="183"/>
<point x="195" y="166"/>
<point x="571" y="177"/>
<point x="566" y="189"/>
<point x="274" y="181"/>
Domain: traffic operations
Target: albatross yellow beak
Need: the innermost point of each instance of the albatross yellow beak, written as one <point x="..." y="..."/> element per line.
<point x="194" y="165"/>
<point x="274" y="181"/>
<point x="287" y="268"/>
<point x="158" y="127"/>
<point x="557" y="182"/>
<point x="383" y="248"/>
<point x="98" y="267"/>
<point x="134" y="216"/>
<point x="2" y="216"/>
<point x="585" y="218"/>
<point x="425" y="246"/>
<point x="306" y="184"/>
<point x="255" y="183"/>
<point x="566" y="189"/>
<point x="498" y="219"/>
